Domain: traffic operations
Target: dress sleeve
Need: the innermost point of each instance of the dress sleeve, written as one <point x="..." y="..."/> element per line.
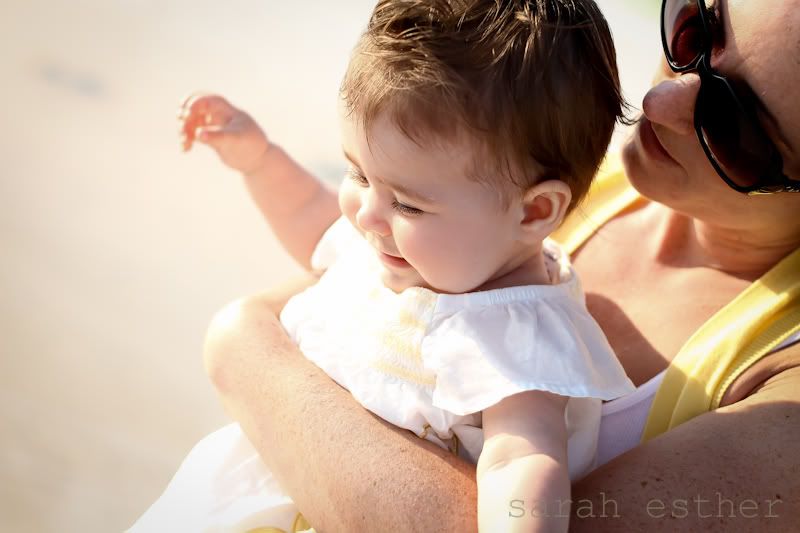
<point x="483" y="355"/>
<point x="338" y="238"/>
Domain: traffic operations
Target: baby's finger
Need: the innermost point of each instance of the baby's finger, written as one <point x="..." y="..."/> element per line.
<point x="207" y="110"/>
<point x="187" y="130"/>
<point x="192" y="99"/>
<point x="212" y="105"/>
<point x="186" y="142"/>
<point x="186" y="100"/>
<point x="190" y="124"/>
<point x="210" y="135"/>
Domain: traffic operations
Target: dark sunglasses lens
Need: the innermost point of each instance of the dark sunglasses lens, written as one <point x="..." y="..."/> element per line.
<point x="736" y="141"/>
<point x="684" y="37"/>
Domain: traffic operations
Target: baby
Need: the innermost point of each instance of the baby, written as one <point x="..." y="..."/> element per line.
<point x="471" y="128"/>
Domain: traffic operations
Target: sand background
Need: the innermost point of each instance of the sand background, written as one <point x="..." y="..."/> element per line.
<point x="117" y="248"/>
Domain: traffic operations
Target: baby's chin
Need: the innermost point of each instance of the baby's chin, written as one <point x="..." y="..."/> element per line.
<point x="402" y="281"/>
<point x="398" y="284"/>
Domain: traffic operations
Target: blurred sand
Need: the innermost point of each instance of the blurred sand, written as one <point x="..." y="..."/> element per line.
<point x="118" y="248"/>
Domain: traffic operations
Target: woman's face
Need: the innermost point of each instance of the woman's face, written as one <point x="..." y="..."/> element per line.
<point x="663" y="157"/>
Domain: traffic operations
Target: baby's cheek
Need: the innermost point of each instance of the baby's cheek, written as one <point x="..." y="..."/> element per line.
<point x="439" y="267"/>
<point x="348" y="201"/>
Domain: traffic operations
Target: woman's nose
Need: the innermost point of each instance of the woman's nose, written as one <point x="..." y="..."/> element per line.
<point x="370" y="216"/>
<point x="671" y="103"/>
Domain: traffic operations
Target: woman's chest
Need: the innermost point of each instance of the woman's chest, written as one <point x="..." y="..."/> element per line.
<point x="648" y="309"/>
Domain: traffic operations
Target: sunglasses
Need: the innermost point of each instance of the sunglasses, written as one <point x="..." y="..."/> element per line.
<point x="724" y="114"/>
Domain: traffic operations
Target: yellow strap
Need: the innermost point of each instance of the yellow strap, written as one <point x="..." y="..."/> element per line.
<point x="749" y="327"/>
<point x="742" y="332"/>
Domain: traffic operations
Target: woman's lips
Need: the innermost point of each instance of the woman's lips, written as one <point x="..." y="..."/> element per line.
<point x="392" y="260"/>
<point x="650" y="142"/>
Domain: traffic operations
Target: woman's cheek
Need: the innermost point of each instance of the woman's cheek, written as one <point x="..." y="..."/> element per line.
<point x="663" y="72"/>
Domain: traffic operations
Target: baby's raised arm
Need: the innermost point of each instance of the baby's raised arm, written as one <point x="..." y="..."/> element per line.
<point x="297" y="206"/>
<point x="523" y="482"/>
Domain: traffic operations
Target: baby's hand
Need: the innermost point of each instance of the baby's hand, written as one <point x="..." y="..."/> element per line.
<point x="212" y="120"/>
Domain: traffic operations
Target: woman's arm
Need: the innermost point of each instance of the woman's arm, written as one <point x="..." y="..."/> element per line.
<point x="736" y="467"/>
<point x="346" y="469"/>
<point x="523" y="483"/>
<point x="360" y="473"/>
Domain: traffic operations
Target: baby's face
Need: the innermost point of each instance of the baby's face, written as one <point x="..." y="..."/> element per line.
<point x="430" y="225"/>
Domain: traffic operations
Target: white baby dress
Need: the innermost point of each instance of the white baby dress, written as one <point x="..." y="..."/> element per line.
<point x="426" y="362"/>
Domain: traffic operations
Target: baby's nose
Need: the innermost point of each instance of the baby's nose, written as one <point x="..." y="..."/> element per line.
<point x="671" y="103"/>
<point x="370" y="216"/>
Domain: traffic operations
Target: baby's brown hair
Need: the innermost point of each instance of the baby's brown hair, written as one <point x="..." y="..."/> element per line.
<point x="534" y="82"/>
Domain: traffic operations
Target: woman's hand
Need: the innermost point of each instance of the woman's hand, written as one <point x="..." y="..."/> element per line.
<point x="233" y="134"/>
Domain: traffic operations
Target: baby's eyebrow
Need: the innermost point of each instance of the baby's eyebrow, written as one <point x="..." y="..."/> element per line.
<point x="405" y="191"/>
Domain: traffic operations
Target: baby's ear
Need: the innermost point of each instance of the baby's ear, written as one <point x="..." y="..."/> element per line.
<point x="543" y="208"/>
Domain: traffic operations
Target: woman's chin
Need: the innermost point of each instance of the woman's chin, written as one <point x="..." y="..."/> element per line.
<point x="633" y="164"/>
<point x="643" y="173"/>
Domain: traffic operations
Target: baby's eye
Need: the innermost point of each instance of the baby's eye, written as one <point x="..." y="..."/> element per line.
<point x="406" y="209"/>
<point x="357" y="177"/>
